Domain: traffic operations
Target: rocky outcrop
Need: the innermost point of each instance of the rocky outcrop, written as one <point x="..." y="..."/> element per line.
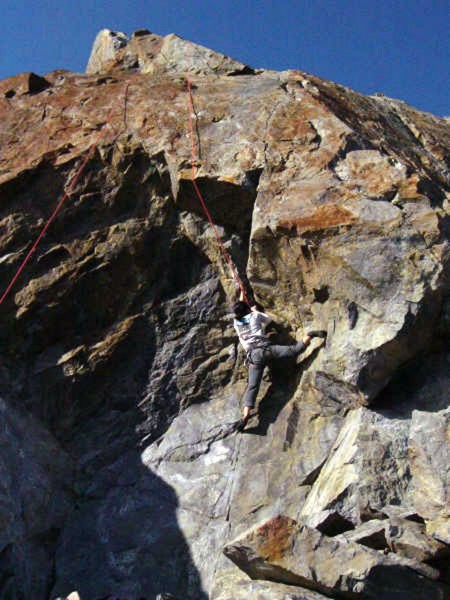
<point x="283" y="550"/>
<point x="367" y="468"/>
<point x="151" y="53"/>
<point x="118" y="356"/>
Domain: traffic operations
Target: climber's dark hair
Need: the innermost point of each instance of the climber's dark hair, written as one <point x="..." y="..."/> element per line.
<point x="241" y="309"/>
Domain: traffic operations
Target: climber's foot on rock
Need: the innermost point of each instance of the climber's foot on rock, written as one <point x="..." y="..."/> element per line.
<point x="243" y="422"/>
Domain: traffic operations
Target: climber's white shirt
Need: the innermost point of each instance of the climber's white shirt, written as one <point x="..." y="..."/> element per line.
<point x="250" y="328"/>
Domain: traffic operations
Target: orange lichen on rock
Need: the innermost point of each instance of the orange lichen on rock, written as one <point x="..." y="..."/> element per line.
<point x="275" y="537"/>
<point x="330" y="215"/>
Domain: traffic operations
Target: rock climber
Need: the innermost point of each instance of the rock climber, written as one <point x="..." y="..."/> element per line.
<point x="250" y="324"/>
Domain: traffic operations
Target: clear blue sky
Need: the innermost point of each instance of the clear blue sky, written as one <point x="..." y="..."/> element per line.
<point x="397" y="47"/>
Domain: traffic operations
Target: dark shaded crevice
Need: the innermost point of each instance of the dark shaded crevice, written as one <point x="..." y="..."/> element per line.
<point x="186" y="266"/>
<point x="415" y="518"/>
<point x="419" y="384"/>
<point x="35" y="191"/>
<point x="395" y="582"/>
<point x="353" y="143"/>
<point x="53" y="257"/>
<point x="433" y="191"/>
<point x="335" y="524"/>
<point x="259" y="569"/>
<point x="442" y="564"/>
<point x="231" y="208"/>
<point x="352" y="313"/>
<point x="444" y="228"/>
<point x="230" y="205"/>
<point x="291" y="429"/>
<point x="246" y="70"/>
<point x="376" y="541"/>
<point x="321" y="294"/>
<point x="33" y="83"/>
<point x="252" y="178"/>
<point x="7" y="569"/>
<point x="383" y="361"/>
<point x="311" y="477"/>
<point x="313" y="143"/>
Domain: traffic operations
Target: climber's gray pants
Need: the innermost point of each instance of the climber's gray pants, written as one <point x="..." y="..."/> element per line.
<point x="257" y="360"/>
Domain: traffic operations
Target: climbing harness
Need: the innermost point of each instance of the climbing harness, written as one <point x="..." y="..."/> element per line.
<point x="260" y="345"/>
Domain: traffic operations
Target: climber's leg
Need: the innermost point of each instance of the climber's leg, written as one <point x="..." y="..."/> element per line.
<point x="255" y="373"/>
<point x="288" y="351"/>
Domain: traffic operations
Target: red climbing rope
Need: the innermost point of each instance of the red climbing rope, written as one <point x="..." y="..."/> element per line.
<point x="83" y="165"/>
<point x="193" y="177"/>
<point x="65" y="196"/>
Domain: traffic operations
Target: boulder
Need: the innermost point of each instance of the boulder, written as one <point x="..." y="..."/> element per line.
<point x="283" y="550"/>
<point x="410" y="539"/>
<point x="371" y="534"/>
<point x="153" y="54"/>
<point x="108" y="51"/>
<point x="367" y="465"/>
<point x="402" y="536"/>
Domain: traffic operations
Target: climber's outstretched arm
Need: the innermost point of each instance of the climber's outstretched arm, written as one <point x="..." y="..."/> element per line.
<point x="264" y="317"/>
<point x="242" y="298"/>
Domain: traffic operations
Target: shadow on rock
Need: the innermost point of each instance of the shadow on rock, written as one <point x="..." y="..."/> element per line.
<point x="124" y="540"/>
<point x="422" y="384"/>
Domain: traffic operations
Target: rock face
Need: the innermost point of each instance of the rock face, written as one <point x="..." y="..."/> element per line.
<point x="121" y="470"/>
<point x="36" y="496"/>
